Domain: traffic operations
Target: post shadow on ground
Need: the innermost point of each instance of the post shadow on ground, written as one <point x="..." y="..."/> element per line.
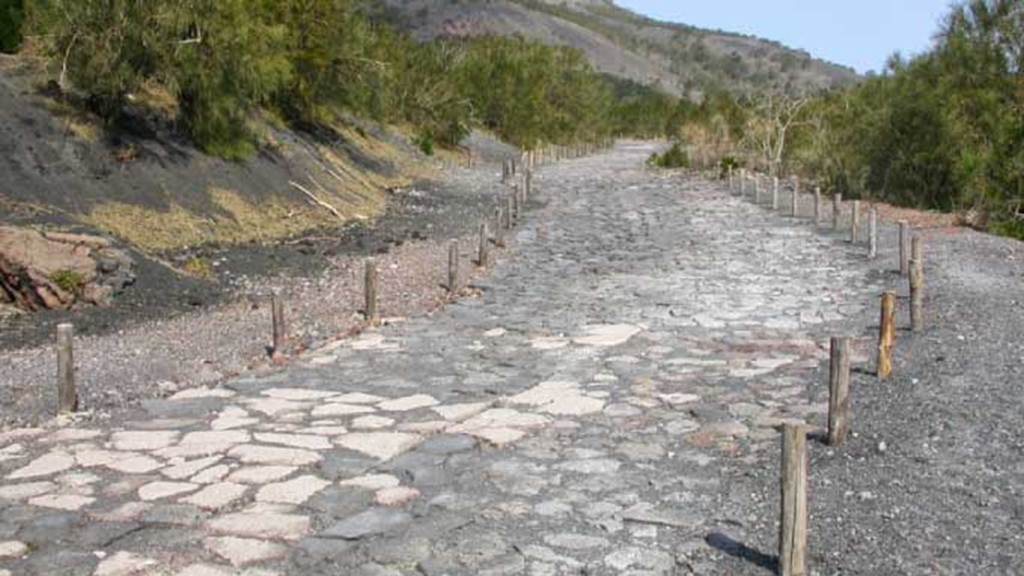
<point x="728" y="545"/>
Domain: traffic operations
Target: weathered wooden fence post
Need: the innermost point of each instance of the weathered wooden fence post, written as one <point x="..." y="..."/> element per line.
<point x="279" y="329"/>
<point x="855" y="222"/>
<point x="795" y="208"/>
<point x="743" y="181"/>
<point x="837" y="209"/>
<point x="509" y="213"/>
<point x="453" y="267"/>
<point x="839" y="391"/>
<point x="67" y="394"/>
<point x="916" y="285"/>
<point x="886" y="335"/>
<point x="904" y="247"/>
<point x="499" y="225"/>
<point x="732" y="184"/>
<point x="370" y="292"/>
<point x="757" y="188"/>
<point x="817" y="206"/>
<point x="873" y="233"/>
<point x="793" y="521"/>
<point x="516" y="207"/>
<point x="775" y="192"/>
<point x="481" y="258"/>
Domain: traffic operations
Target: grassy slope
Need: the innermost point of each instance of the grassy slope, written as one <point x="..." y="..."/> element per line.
<point x="60" y="167"/>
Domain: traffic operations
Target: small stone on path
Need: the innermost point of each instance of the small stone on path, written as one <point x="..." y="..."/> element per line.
<point x="242" y="551"/>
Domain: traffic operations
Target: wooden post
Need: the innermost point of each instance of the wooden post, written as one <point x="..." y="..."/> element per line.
<point x="817" y="205"/>
<point x="886" y="335"/>
<point x="370" y="292"/>
<point x="904" y="247"/>
<point x="528" y="189"/>
<point x="509" y="213"/>
<point x="796" y="198"/>
<point x="839" y="391"/>
<point x="855" y="223"/>
<point x="743" y="181"/>
<point x="499" y="224"/>
<point x="916" y="285"/>
<point x="516" y="204"/>
<point x="873" y="233"/>
<point x="837" y="209"/>
<point x="481" y="258"/>
<point x="775" y="193"/>
<point x="793" y="521"/>
<point x="279" y="331"/>
<point x="453" y="267"/>
<point x="757" y="188"/>
<point x="731" y="183"/>
<point x="67" y="394"/>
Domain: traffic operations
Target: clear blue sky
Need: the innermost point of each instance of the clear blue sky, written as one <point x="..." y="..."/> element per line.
<point x="857" y="33"/>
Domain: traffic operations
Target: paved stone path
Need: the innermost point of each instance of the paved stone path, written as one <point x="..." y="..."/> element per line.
<point x="593" y="411"/>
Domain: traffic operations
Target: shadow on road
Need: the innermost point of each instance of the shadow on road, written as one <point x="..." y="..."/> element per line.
<point x="726" y="544"/>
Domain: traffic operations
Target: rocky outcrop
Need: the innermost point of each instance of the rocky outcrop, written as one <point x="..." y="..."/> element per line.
<point x="57" y="270"/>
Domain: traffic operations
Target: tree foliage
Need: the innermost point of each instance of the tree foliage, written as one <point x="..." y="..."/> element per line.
<point x="12" y="17"/>
<point x="316" y="61"/>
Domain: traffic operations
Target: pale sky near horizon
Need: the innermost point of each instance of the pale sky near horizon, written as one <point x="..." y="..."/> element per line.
<point x="857" y="33"/>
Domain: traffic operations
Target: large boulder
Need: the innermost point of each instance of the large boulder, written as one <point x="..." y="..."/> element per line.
<point x="57" y="270"/>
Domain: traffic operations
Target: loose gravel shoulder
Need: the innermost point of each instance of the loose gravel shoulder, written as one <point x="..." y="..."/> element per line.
<point x="605" y="401"/>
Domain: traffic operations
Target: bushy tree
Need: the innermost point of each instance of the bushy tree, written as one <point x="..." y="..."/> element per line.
<point x="12" y="17"/>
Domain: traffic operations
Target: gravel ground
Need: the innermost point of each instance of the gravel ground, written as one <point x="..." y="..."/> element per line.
<point x="607" y="406"/>
<point x="932" y="479"/>
<point x="149" y="349"/>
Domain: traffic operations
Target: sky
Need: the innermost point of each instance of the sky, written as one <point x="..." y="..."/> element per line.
<point x="857" y="33"/>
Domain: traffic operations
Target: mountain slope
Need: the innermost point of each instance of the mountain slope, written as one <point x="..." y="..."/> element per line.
<point x="681" y="59"/>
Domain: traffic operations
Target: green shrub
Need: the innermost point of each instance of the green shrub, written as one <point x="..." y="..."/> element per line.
<point x="425" y="141"/>
<point x="12" y="16"/>
<point x="69" y="281"/>
<point x="674" y="157"/>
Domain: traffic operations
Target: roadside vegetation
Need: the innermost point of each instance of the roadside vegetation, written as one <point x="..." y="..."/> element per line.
<point x="218" y="67"/>
<point x="943" y="130"/>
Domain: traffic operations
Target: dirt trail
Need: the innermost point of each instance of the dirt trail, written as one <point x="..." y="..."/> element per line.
<point x="607" y="405"/>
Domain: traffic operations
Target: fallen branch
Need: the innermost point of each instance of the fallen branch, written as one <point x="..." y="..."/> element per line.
<point x="316" y="200"/>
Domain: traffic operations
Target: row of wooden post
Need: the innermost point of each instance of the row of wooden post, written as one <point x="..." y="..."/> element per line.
<point x="794" y="209"/>
<point x="505" y="218"/>
<point x="794" y="459"/>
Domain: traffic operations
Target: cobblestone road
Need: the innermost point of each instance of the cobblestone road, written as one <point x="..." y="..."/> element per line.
<point x="593" y="411"/>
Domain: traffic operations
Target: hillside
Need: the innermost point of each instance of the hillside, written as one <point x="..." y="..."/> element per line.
<point x="678" y="58"/>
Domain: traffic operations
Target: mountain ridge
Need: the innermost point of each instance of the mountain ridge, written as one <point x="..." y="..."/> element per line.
<point x="678" y="58"/>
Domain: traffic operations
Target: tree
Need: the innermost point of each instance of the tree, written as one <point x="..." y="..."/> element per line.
<point x="772" y="116"/>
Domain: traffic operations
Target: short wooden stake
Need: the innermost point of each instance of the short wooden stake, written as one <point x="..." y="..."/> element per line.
<point x="528" y="185"/>
<point x="886" y="335"/>
<point x="509" y="213"/>
<point x="855" y="222"/>
<point x="743" y="181"/>
<point x="775" y="193"/>
<point x="499" y="225"/>
<point x="516" y="204"/>
<point x="839" y="391"/>
<point x="817" y="205"/>
<point x="370" y="292"/>
<point x="279" y="328"/>
<point x="731" y="183"/>
<point x="795" y="208"/>
<point x="757" y="188"/>
<point x="482" y="254"/>
<point x="873" y="233"/>
<point x="916" y="285"/>
<point x="837" y="209"/>
<point x="453" y="267"/>
<point x="67" y="394"/>
<point x="904" y="247"/>
<point x="793" y="521"/>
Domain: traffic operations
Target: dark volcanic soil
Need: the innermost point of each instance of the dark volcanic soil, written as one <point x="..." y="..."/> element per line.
<point x="426" y="211"/>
